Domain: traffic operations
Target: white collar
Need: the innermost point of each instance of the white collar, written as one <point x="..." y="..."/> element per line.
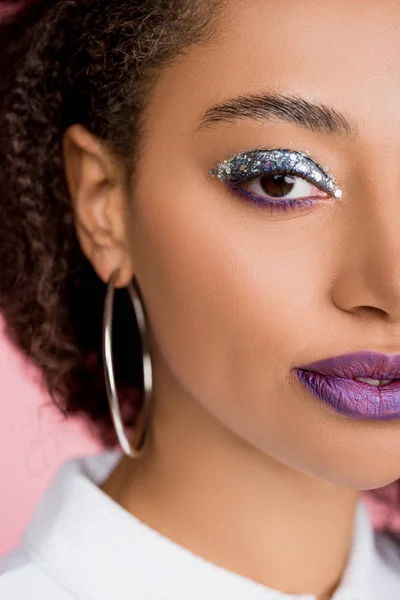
<point x="99" y="551"/>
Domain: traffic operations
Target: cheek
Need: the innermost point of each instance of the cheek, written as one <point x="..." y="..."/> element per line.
<point x="235" y="302"/>
<point x="227" y="296"/>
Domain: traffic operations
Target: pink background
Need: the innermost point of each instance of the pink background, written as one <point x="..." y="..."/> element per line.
<point x="34" y="440"/>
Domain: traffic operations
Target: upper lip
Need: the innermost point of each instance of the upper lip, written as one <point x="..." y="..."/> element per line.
<point x="373" y="365"/>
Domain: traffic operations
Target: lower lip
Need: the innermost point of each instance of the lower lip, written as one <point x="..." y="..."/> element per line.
<point x="353" y="398"/>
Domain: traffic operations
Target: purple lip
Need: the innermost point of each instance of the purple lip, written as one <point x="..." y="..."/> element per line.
<point x="332" y="381"/>
<point x="359" y="364"/>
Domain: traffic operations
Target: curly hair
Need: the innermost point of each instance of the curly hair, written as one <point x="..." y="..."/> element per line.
<point x="92" y="62"/>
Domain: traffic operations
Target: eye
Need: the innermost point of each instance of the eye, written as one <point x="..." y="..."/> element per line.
<point x="279" y="178"/>
<point x="282" y="186"/>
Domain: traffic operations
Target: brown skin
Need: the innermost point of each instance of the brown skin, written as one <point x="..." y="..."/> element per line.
<point x="237" y="298"/>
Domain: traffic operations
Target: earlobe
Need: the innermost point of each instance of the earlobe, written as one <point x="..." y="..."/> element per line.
<point x="99" y="199"/>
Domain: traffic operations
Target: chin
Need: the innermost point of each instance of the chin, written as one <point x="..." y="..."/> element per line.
<point x="365" y="480"/>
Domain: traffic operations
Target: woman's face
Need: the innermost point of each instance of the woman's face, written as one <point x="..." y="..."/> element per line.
<point x="238" y="294"/>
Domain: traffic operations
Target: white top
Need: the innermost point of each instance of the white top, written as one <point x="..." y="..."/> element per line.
<point x="80" y="544"/>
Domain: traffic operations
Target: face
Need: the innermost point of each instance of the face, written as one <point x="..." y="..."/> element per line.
<point x="242" y="286"/>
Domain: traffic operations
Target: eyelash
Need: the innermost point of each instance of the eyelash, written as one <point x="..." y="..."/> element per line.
<point x="249" y="170"/>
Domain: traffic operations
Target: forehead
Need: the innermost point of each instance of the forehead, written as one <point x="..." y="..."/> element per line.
<point x="344" y="53"/>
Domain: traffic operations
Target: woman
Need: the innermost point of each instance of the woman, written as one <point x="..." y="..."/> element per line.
<point x="200" y="251"/>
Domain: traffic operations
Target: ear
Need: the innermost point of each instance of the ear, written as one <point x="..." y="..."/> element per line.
<point x="99" y="195"/>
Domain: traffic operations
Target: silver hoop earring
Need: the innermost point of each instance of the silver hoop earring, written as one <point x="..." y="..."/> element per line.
<point x="131" y="449"/>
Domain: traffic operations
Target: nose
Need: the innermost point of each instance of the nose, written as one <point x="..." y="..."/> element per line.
<point x="368" y="276"/>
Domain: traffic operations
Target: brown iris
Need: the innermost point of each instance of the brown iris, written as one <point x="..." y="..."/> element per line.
<point x="277" y="185"/>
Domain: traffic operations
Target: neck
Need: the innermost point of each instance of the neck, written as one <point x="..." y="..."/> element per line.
<point x="215" y="495"/>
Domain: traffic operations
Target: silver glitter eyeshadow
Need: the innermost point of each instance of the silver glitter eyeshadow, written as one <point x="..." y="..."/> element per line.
<point x="249" y="165"/>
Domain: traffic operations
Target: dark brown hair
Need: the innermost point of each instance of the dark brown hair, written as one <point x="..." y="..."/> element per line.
<point x="62" y="62"/>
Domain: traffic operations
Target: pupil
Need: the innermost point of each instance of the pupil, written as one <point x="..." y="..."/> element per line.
<point x="277" y="185"/>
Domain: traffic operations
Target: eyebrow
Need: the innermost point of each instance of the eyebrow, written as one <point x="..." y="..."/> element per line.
<point x="287" y="108"/>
